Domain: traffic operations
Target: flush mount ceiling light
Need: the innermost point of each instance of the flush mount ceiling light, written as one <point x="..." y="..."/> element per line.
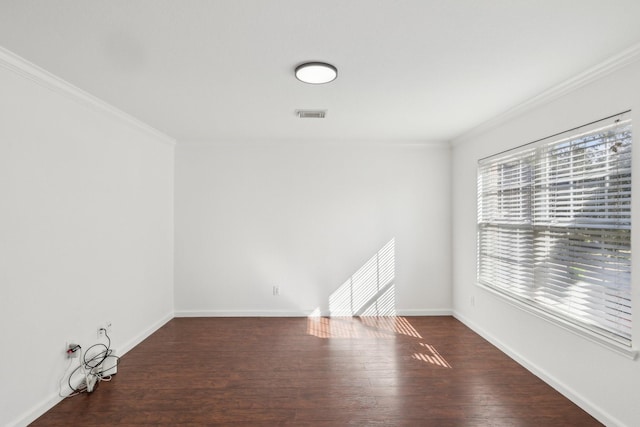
<point x="316" y="72"/>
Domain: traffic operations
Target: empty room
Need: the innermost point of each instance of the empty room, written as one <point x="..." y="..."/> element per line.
<point x="372" y="213"/>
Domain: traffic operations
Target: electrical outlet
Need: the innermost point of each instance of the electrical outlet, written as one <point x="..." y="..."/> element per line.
<point x="473" y="301"/>
<point x="106" y="326"/>
<point x="276" y="290"/>
<point x="72" y="350"/>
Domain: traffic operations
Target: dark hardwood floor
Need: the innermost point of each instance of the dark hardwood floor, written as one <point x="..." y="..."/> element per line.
<point x="402" y="371"/>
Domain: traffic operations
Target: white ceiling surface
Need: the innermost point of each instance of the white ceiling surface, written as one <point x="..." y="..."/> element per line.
<point x="412" y="70"/>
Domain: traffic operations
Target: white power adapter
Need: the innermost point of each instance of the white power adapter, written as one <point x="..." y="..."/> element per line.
<point x="110" y="364"/>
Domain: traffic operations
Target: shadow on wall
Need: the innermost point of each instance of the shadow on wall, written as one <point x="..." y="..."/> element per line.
<point x="370" y="291"/>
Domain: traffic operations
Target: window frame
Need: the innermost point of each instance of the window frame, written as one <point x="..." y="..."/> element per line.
<point x="523" y="161"/>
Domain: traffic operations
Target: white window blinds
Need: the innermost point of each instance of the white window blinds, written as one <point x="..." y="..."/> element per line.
<point x="554" y="226"/>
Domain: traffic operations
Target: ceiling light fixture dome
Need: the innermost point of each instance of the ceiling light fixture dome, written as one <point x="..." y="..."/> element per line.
<point x="316" y="72"/>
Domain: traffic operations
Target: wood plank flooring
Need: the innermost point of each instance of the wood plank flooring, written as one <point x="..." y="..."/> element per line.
<point x="400" y="371"/>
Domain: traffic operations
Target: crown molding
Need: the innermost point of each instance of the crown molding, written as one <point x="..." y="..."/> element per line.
<point x="613" y="63"/>
<point x="30" y="71"/>
<point x="357" y="143"/>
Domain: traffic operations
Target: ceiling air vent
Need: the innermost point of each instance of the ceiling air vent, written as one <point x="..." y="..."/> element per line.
<point x="311" y="114"/>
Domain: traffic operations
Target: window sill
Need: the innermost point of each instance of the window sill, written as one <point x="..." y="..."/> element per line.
<point x="603" y="341"/>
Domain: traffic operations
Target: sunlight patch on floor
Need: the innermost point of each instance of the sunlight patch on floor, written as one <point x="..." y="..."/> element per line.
<point x="360" y="327"/>
<point x="431" y="355"/>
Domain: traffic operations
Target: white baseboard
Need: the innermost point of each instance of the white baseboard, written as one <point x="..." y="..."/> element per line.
<point x="241" y="313"/>
<point x="124" y="348"/>
<point x="55" y="398"/>
<point x="594" y="410"/>
<point x="36" y="411"/>
<point x="293" y="313"/>
<point x="426" y="312"/>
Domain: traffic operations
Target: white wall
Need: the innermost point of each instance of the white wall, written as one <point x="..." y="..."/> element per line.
<point x="306" y="217"/>
<point x="86" y="233"/>
<point x="603" y="382"/>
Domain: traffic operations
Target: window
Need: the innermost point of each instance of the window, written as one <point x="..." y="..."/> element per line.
<point x="554" y="226"/>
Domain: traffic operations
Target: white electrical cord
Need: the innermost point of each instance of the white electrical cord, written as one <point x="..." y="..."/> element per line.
<point x="64" y="375"/>
<point x="74" y="391"/>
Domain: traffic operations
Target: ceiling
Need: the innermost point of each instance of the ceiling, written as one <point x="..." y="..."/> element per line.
<point x="409" y="70"/>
